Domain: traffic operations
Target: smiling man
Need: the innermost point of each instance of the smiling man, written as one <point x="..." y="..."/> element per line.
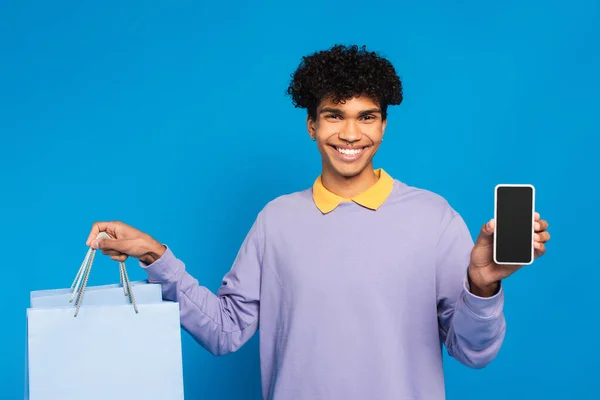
<point x="357" y="282"/>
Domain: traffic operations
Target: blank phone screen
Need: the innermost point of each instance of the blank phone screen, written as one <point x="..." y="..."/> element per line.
<point x="514" y="224"/>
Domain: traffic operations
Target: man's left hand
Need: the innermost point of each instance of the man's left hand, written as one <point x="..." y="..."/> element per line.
<point x="484" y="274"/>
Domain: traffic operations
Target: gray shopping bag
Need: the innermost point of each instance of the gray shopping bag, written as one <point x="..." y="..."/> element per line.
<point x="105" y="348"/>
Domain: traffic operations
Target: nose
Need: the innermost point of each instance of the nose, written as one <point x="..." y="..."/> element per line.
<point x="350" y="132"/>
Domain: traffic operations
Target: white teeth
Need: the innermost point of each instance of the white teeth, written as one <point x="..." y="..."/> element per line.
<point x="349" y="152"/>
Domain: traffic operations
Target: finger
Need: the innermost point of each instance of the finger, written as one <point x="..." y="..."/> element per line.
<point x="118" y="245"/>
<point x="541" y="225"/>
<point x="540" y="248"/>
<point x="485" y="235"/>
<point x="93" y="233"/>
<point x="115" y="255"/>
<point x="542" y="237"/>
<point x="97" y="227"/>
<point x="120" y="258"/>
<point x="111" y="253"/>
<point x="537" y="216"/>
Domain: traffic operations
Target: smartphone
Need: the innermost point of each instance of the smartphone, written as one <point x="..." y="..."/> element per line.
<point x="514" y="209"/>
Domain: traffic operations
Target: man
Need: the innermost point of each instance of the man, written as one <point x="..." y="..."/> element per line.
<point x="356" y="282"/>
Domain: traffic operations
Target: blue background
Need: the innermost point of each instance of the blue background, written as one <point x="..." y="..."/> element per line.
<point x="171" y="116"/>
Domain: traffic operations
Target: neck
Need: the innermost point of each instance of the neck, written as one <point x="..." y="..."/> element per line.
<point x="349" y="187"/>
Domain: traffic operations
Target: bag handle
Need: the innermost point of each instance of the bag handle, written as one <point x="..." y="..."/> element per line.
<point x="81" y="279"/>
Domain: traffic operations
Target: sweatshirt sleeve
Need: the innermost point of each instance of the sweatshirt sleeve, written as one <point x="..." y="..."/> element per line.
<point x="220" y="322"/>
<point x="471" y="327"/>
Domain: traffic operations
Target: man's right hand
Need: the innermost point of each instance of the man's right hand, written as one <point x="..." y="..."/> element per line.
<point x="127" y="242"/>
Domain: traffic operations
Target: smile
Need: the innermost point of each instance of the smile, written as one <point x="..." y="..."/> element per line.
<point x="349" y="154"/>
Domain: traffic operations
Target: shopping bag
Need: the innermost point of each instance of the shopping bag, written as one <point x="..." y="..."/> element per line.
<point x="111" y="294"/>
<point x="104" y="348"/>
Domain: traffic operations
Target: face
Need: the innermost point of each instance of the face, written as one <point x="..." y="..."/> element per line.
<point x="347" y="135"/>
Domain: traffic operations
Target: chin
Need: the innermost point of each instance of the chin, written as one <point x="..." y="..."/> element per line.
<point x="348" y="170"/>
<point x="349" y="173"/>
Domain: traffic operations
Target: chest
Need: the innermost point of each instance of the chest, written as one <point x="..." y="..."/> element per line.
<point x="375" y="258"/>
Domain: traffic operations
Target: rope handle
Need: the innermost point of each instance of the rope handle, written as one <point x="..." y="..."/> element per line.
<point x="81" y="279"/>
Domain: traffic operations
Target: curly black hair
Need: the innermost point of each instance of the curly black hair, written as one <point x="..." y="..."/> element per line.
<point x="343" y="72"/>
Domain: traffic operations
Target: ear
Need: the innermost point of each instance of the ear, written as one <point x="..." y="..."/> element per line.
<point x="310" y="126"/>
<point x="383" y="125"/>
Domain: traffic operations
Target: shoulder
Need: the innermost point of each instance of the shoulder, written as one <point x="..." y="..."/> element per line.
<point x="428" y="209"/>
<point x="289" y="202"/>
<point x="421" y="201"/>
<point x="285" y="205"/>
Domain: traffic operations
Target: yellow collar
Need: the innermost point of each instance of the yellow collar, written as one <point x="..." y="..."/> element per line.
<point x="371" y="198"/>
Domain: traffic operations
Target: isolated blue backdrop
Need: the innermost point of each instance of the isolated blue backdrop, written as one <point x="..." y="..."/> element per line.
<point x="171" y="116"/>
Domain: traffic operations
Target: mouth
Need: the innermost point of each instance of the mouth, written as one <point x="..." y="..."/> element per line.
<point x="349" y="154"/>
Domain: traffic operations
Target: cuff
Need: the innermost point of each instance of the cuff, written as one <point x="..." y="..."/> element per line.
<point x="163" y="269"/>
<point x="483" y="307"/>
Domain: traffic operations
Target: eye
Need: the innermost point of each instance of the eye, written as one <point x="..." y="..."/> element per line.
<point x="332" y="116"/>
<point x="369" y="117"/>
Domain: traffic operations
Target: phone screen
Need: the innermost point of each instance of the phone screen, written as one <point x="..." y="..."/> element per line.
<point x="514" y="224"/>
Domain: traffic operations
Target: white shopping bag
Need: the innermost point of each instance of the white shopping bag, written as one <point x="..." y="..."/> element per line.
<point x="113" y="294"/>
<point x="104" y="348"/>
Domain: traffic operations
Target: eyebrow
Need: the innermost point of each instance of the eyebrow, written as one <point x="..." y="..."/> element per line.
<point x="360" y="114"/>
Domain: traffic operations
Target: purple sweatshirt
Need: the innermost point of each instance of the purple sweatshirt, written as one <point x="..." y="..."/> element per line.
<point x="351" y="304"/>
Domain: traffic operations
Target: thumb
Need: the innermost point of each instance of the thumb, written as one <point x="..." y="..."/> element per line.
<point x="119" y="245"/>
<point x="487" y="230"/>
